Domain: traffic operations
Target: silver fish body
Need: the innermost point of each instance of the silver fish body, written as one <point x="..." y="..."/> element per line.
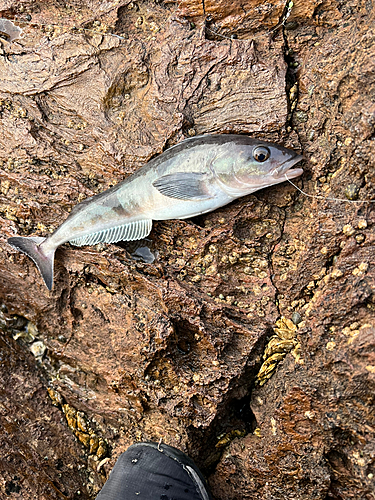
<point x="196" y="176"/>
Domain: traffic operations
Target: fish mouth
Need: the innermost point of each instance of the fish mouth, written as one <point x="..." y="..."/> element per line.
<point x="286" y="171"/>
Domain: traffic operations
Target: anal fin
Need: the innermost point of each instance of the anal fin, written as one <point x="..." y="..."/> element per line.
<point x="131" y="231"/>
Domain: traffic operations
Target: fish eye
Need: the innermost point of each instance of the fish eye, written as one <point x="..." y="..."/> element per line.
<point x="261" y="154"/>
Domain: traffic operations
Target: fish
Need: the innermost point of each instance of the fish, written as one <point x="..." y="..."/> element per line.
<point x="196" y="176"/>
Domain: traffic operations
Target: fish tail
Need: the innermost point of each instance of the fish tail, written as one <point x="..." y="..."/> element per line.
<point x="32" y="247"/>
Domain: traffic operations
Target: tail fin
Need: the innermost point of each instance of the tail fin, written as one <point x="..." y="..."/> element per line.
<point x="32" y="248"/>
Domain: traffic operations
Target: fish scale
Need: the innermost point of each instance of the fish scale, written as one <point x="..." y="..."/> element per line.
<point x="191" y="178"/>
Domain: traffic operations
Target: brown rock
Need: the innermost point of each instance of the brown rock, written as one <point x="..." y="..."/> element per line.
<point x="40" y="458"/>
<point x="171" y="349"/>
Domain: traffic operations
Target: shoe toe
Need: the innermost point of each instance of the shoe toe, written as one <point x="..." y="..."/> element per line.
<point x="146" y="471"/>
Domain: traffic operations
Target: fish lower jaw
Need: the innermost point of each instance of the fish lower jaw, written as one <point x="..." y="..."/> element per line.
<point x="291" y="174"/>
<point x="282" y="175"/>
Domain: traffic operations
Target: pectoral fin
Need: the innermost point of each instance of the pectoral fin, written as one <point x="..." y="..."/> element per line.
<point x="184" y="186"/>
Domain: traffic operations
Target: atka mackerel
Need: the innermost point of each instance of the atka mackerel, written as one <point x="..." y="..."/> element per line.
<point x="194" y="177"/>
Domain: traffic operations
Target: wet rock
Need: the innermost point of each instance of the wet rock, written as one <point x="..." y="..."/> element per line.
<point x="171" y="348"/>
<point x="315" y="435"/>
<point x="40" y="457"/>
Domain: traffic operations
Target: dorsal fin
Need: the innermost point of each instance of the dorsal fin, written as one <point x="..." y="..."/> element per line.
<point x="131" y="231"/>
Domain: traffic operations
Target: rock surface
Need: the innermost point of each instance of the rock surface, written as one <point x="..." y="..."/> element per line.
<point x="171" y="349"/>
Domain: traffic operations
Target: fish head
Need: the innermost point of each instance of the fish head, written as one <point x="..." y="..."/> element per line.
<point x="250" y="164"/>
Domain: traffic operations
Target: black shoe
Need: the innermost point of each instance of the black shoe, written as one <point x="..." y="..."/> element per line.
<point x="151" y="471"/>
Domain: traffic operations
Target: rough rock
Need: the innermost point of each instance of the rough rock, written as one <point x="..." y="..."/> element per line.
<point x="171" y="349"/>
<point x="40" y="459"/>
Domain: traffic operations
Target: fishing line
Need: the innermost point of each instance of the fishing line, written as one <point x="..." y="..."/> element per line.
<point x="7" y="31"/>
<point x="318" y="197"/>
